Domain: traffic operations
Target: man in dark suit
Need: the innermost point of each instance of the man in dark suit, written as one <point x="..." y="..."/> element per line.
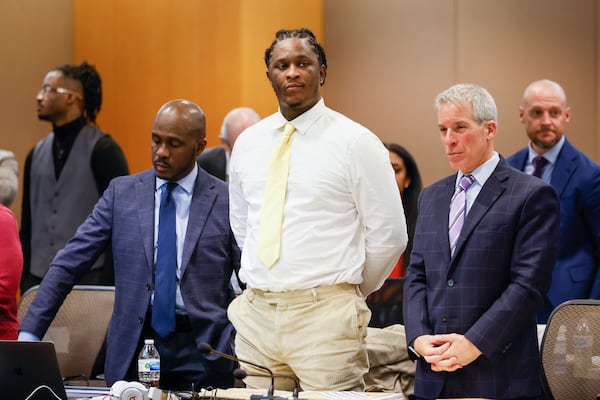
<point x="474" y="284"/>
<point x="576" y="180"/>
<point x="127" y="218"/>
<point x="215" y="160"/>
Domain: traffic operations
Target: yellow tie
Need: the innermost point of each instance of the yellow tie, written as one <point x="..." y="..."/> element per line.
<point x="271" y="218"/>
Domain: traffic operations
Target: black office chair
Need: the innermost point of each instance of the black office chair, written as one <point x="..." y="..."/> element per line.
<point x="386" y="304"/>
<point x="566" y="379"/>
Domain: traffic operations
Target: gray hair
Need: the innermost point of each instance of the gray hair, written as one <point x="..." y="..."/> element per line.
<point x="242" y="113"/>
<point x="464" y="94"/>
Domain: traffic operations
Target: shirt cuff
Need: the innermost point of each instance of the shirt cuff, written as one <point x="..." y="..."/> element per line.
<point x="27" y="337"/>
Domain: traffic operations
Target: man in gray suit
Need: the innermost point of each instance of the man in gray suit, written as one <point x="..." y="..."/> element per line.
<point x="484" y="247"/>
<point x="127" y="218"/>
<point x="215" y="160"/>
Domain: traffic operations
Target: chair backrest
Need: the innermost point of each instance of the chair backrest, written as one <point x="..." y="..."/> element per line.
<point x="570" y="356"/>
<point x="386" y="303"/>
<point x="79" y="328"/>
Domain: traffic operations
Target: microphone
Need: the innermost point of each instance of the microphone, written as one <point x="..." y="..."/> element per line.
<point x="206" y="349"/>
<point x="242" y="373"/>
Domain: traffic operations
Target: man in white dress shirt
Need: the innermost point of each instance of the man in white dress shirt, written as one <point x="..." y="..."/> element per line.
<point x="343" y="230"/>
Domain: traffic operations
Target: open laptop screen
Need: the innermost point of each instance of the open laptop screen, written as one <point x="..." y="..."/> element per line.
<point x="27" y="366"/>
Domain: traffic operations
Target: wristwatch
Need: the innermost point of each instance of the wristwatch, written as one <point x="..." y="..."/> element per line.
<point x="412" y="352"/>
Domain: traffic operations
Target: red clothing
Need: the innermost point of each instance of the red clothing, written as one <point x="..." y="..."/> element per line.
<point x="398" y="270"/>
<point x="11" y="266"/>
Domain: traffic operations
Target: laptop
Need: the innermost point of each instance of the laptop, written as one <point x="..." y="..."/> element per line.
<point x="27" y="366"/>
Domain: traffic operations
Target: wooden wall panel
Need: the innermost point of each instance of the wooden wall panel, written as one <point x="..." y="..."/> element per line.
<point x="389" y="58"/>
<point x="208" y="51"/>
<point x="506" y="44"/>
<point x="35" y="36"/>
<point x="387" y="61"/>
<point x="259" y="22"/>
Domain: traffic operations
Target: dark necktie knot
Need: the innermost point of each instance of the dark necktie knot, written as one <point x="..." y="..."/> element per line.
<point x="168" y="189"/>
<point x="539" y="162"/>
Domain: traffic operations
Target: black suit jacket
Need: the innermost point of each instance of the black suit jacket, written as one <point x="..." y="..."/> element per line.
<point x="214" y="161"/>
<point x="490" y="289"/>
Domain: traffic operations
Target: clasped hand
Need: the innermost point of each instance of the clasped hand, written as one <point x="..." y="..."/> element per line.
<point x="447" y="352"/>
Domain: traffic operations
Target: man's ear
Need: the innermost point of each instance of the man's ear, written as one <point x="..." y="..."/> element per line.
<point x="491" y="129"/>
<point x="521" y="114"/>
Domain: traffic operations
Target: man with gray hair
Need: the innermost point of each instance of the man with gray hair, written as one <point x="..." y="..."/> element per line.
<point x="215" y="160"/>
<point x="484" y="246"/>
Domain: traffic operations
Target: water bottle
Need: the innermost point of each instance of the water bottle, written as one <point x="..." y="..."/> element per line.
<point x="583" y="341"/>
<point x="149" y="364"/>
<point x="559" y="367"/>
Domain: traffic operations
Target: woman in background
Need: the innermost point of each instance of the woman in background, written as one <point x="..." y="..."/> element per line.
<point x="409" y="184"/>
<point x="11" y="266"/>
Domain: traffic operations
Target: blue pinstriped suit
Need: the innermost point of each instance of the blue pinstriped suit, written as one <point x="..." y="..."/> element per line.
<point x="124" y="218"/>
<point x="489" y="291"/>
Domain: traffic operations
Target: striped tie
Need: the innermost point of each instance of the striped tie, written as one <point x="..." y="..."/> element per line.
<point x="457" y="211"/>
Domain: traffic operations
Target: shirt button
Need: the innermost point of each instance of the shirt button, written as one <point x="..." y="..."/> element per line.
<point x="450" y="282"/>
<point x="140" y="320"/>
<point x="148" y="287"/>
<point x="444" y="318"/>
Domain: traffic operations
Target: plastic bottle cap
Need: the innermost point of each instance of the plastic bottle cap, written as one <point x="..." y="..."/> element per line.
<point x="149" y="341"/>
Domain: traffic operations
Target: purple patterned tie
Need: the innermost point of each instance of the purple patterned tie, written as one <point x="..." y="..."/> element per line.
<point x="539" y="162"/>
<point x="457" y="211"/>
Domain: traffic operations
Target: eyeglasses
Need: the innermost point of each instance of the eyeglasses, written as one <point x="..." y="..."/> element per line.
<point x="44" y="90"/>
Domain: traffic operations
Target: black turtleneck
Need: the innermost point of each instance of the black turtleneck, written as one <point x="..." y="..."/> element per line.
<point x="64" y="137"/>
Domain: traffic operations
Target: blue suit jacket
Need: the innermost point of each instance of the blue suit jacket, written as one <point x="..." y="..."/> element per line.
<point x="576" y="180"/>
<point x="490" y="289"/>
<point x="124" y="219"/>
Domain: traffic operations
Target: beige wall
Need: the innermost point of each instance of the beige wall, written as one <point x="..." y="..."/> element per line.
<point x="387" y="61"/>
<point x="35" y="36"/>
<point x="389" y="58"/>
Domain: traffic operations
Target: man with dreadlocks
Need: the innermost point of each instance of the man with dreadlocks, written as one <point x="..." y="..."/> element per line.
<point x="340" y="230"/>
<point x="67" y="171"/>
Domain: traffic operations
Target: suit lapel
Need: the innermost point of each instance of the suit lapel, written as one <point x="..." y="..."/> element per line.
<point x="564" y="169"/>
<point x="520" y="159"/>
<point x="489" y="194"/>
<point x="144" y="193"/>
<point x="442" y="209"/>
<point x="203" y="200"/>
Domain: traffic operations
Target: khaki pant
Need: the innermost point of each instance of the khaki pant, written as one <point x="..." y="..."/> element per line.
<point x="317" y="335"/>
<point x="390" y="368"/>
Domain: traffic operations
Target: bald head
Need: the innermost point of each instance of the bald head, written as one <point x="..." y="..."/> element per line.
<point x="178" y="138"/>
<point x="234" y="123"/>
<point x="544" y="87"/>
<point x="186" y="114"/>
